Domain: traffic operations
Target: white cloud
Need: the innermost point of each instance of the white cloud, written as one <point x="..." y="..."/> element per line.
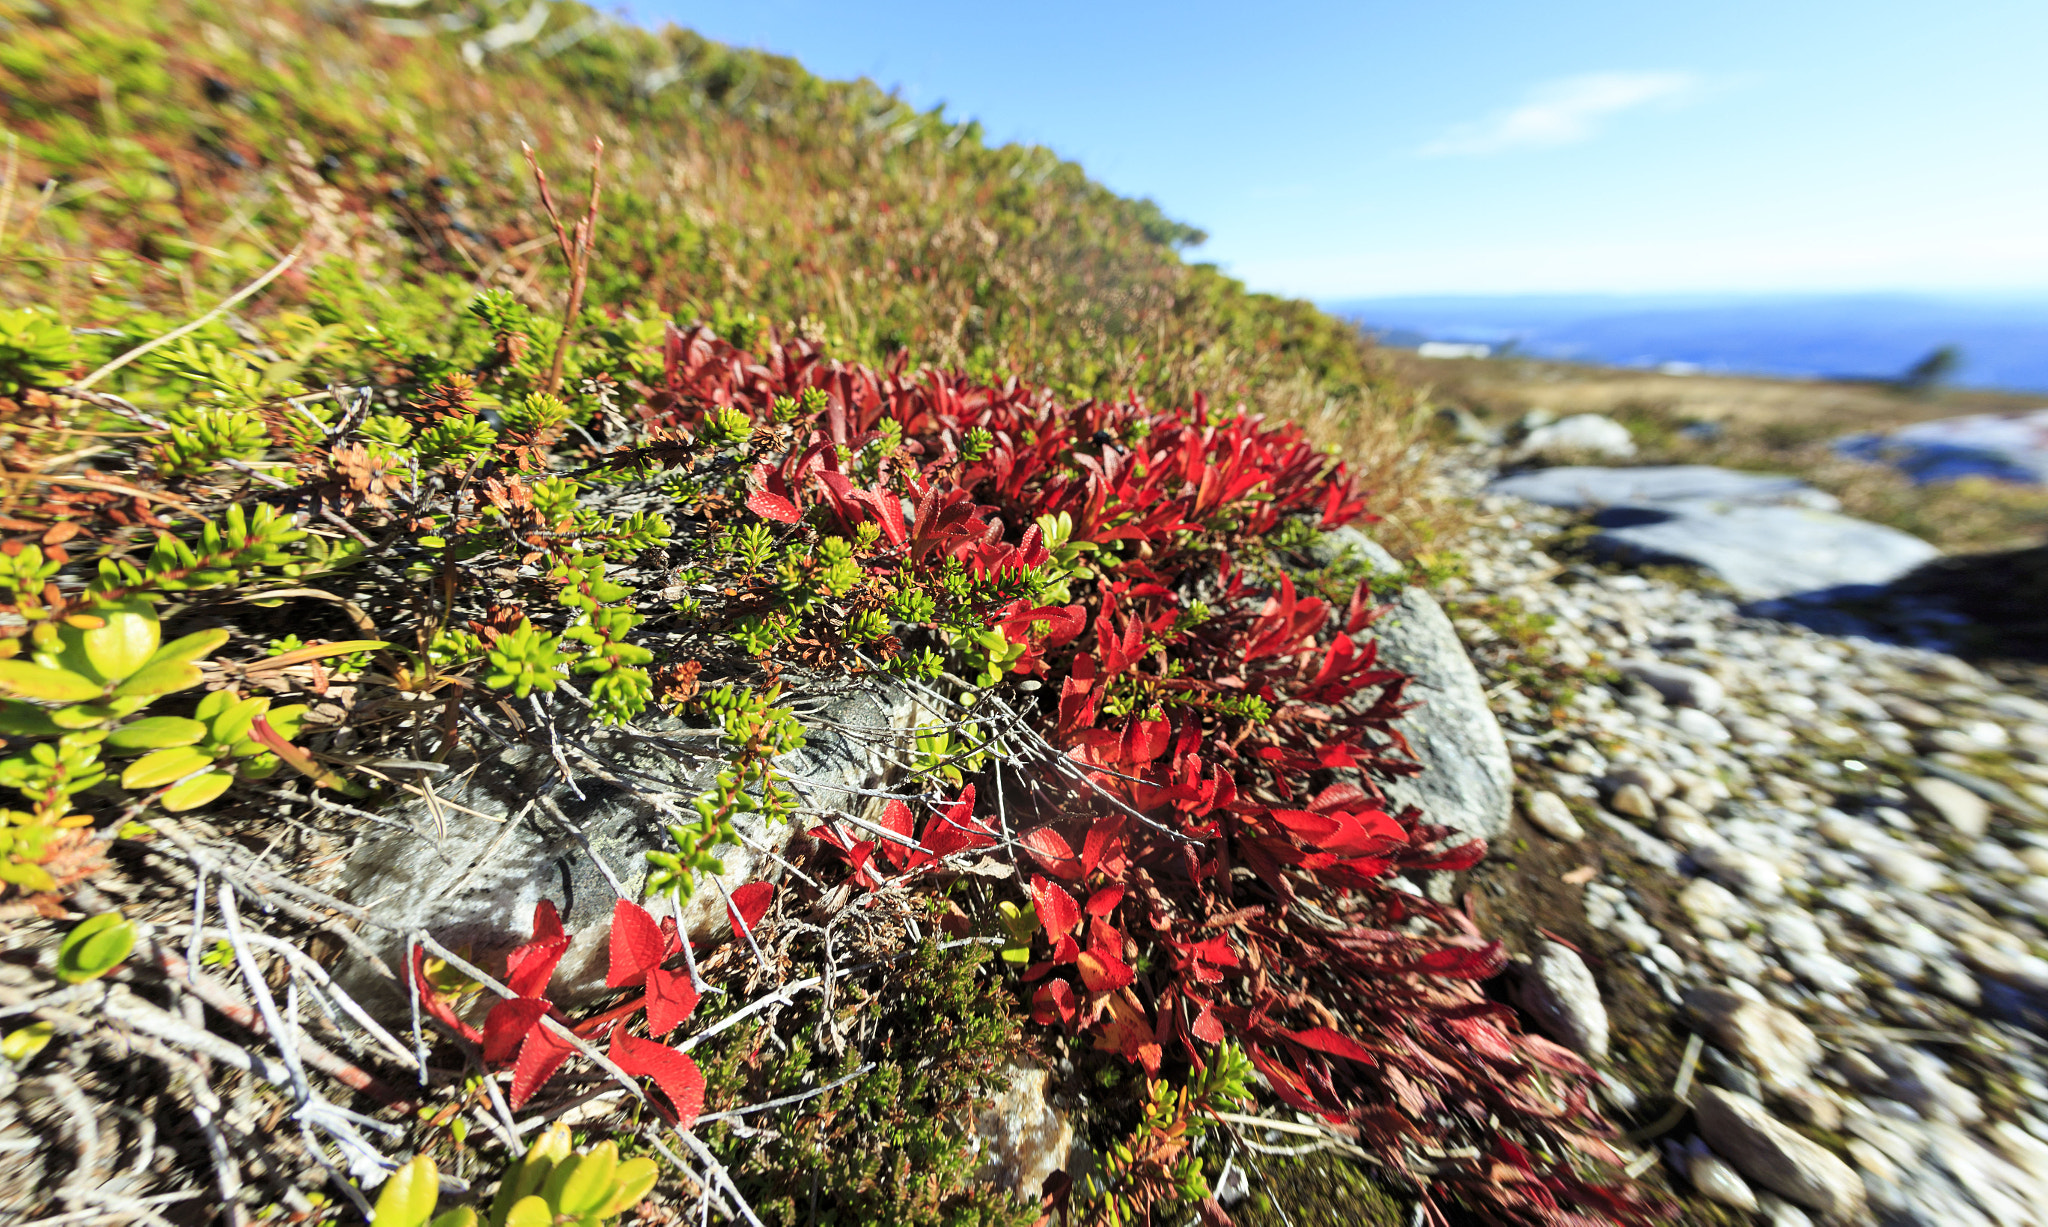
<point x="1563" y="112"/>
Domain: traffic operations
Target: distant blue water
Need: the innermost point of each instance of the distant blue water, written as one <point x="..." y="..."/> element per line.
<point x="2004" y="340"/>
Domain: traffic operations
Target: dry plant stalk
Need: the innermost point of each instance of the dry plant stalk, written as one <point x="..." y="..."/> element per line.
<point x="576" y="250"/>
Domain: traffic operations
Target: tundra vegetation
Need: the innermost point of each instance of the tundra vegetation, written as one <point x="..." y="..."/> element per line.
<point x="375" y="383"/>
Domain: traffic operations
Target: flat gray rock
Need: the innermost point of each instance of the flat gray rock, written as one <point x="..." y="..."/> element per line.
<point x="1762" y="552"/>
<point x="473" y="881"/>
<point x="1581" y="486"/>
<point x="1467" y="779"/>
<point x="2002" y="446"/>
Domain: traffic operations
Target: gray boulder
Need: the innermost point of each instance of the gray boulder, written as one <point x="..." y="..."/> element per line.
<point x="474" y="879"/>
<point x="1762" y="552"/>
<point x="1467" y="779"/>
<point x="1579" y="486"/>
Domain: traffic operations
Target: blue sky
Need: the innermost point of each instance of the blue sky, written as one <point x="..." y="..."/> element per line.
<point x="1342" y="150"/>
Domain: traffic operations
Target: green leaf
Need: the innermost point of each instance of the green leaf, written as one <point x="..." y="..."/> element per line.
<point x="28" y="680"/>
<point x="156" y="733"/>
<point x="233" y="724"/>
<point x="285" y="721"/>
<point x="94" y="948"/>
<point x="631" y="1182"/>
<point x="191" y="647"/>
<point x="126" y="642"/>
<point x="530" y="1212"/>
<point x="409" y="1195"/>
<point x="25" y="720"/>
<point x="160" y="768"/>
<point x="460" y="1216"/>
<point x="582" y="1184"/>
<point x="164" y="677"/>
<point x="26" y="1042"/>
<point x="195" y="792"/>
<point x="83" y="715"/>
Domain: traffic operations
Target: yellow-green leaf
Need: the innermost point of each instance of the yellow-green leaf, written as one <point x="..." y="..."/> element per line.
<point x="83" y="715"/>
<point x="25" y="679"/>
<point x="163" y="677"/>
<point x="460" y="1216"/>
<point x="94" y="948"/>
<point x="233" y="724"/>
<point x="160" y="768"/>
<point x="19" y="719"/>
<point x="409" y="1195"/>
<point x="630" y="1183"/>
<point x="26" y="1042"/>
<point x="123" y="642"/>
<point x="195" y="792"/>
<point x="191" y="647"/>
<point x="156" y="733"/>
<point x="285" y="721"/>
<point x="530" y="1212"/>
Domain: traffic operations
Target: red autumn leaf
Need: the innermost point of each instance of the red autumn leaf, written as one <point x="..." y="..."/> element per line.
<point x="896" y="821"/>
<point x="953" y="830"/>
<point x="1053" y="1003"/>
<point x="540" y="1055"/>
<point x="1323" y="1039"/>
<point x="1057" y="910"/>
<point x="772" y="507"/>
<point x="432" y="1002"/>
<point x="671" y="998"/>
<point x="637" y="945"/>
<point x="858" y="854"/>
<point x="1104" y="901"/>
<point x="751" y="903"/>
<point x="1127" y="1031"/>
<point x="528" y="968"/>
<point x="674" y="1072"/>
<point x="1051" y="850"/>
<point x="1205" y="1027"/>
<point x="507" y="1024"/>
<point x="1102" y="971"/>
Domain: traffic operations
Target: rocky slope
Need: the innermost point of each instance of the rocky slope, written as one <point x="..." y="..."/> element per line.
<point x="1823" y="854"/>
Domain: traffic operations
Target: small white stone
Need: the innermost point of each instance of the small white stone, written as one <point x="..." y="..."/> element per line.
<point x="1686" y="832"/>
<point x="1558" y="991"/>
<point x="1547" y="812"/>
<point x="1747" y="872"/>
<point x="2033" y="894"/>
<point x="1715" y="1180"/>
<point x="1634" y="801"/>
<point x="1904" y="869"/>
<point x="1962" y="809"/>
<point x="1700" y="726"/>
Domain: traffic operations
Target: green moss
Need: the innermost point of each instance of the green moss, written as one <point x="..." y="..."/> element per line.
<point x="890" y="1146"/>
<point x="1322" y="1190"/>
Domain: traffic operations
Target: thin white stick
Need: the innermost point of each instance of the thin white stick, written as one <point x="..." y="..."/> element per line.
<point x="276" y="271"/>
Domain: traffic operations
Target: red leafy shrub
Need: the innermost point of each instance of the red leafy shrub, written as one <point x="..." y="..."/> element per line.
<point x="513" y="1031"/>
<point x="1220" y="736"/>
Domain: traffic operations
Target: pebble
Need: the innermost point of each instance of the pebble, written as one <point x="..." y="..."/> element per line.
<point x="1633" y="800"/>
<point x="1771" y="1154"/>
<point x="1745" y="762"/>
<point x="1715" y="1179"/>
<point x="1962" y="809"/>
<point x="1559" y="992"/>
<point x="1547" y="812"/>
<point x="1679" y="685"/>
<point x="1778" y="1046"/>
